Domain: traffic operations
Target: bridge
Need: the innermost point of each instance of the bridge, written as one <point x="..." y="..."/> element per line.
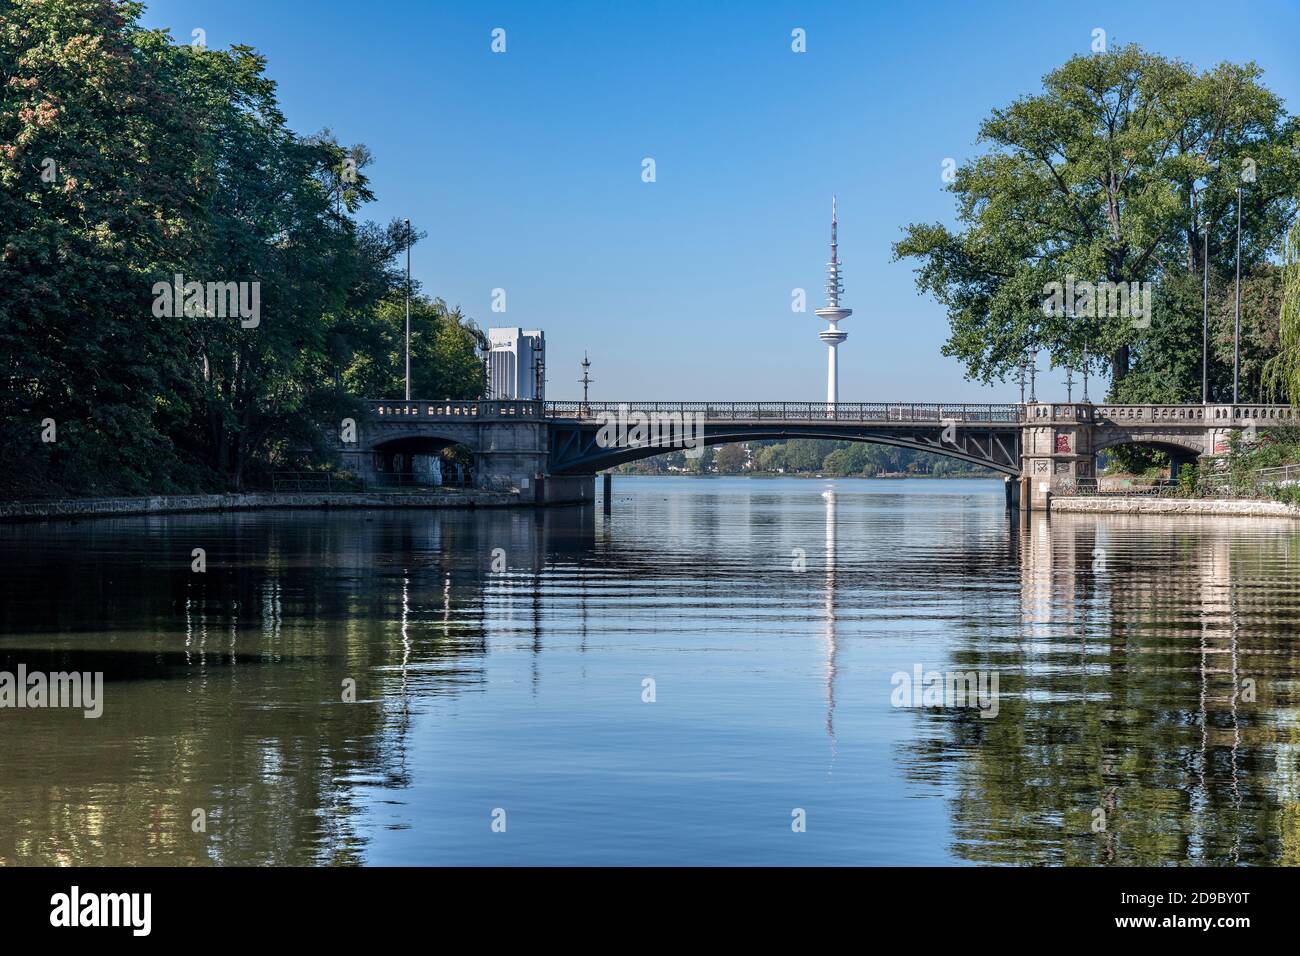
<point x="551" y="451"/>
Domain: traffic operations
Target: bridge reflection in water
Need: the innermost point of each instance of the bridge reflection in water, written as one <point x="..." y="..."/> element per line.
<point x="1119" y="643"/>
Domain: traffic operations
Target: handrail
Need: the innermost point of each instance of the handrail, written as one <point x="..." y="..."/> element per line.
<point x="901" y="412"/>
<point x="884" y="412"/>
<point x="313" y="481"/>
<point x="1278" y="473"/>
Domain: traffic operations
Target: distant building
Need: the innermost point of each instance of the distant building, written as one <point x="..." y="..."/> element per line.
<point x="516" y="364"/>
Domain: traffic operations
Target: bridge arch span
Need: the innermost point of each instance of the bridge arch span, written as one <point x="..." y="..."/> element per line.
<point x="1049" y="446"/>
<point x="431" y="436"/>
<point x="1181" y="445"/>
<point x="600" y="459"/>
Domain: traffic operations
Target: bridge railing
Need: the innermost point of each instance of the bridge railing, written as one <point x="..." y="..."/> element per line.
<point x="1211" y="414"/>
<point x="1151" y="413"/>
<point x="313" y="481"/>
<point x="1279" y="475"/>
<point x="1219" y="480"/>
<point x="455" y="410"/>
<point x="1250" y="414"/>
<point x="1159" y="487"/>
<point x="901" y="412"/>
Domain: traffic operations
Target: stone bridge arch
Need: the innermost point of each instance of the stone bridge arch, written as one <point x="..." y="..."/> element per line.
<point x="377" y="438"/>
<point x="1184" y="443"/>
<point x="385" y="449"/>
<point x="505" y="438"/>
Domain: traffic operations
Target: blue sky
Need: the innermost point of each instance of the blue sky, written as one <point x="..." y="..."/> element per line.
<point x="525" y="167"/>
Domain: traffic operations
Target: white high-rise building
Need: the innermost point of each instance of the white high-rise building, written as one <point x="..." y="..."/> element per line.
<point x="833" y="314"/>
<point x="516" y="364"/>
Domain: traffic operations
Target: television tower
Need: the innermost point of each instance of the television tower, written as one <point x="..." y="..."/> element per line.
<point x="833" y="314"/>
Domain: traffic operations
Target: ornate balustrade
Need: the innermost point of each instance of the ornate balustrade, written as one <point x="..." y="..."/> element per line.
<point x="883" y="412"/>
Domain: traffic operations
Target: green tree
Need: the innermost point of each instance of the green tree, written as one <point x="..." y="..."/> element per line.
<point x="807" y="454"/>
<point x="771" y="457"/>
<point x="1282" y="376"/>
<point x="445" y="353"/>
<point x="97" y="198"/>
<point x="703" y="464"/>
<point x="1110" y="174"/>
<point x="126" y="160"/>
<point x="852" y="458"/>
<point x="730" y="459"/>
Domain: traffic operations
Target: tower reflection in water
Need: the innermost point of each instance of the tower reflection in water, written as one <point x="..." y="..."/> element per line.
<point x="829" y="604"/>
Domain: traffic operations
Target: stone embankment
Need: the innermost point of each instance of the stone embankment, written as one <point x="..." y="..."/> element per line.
<point x="180" y="504"/>
<point x="1136" y="505"/>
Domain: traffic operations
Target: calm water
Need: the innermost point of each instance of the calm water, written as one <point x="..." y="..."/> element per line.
<point x="1117" y="643"/>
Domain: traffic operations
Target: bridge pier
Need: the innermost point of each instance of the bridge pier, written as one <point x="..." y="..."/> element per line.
<point x="1057" y="449"/>
<point x="509" y="441"/>
<point x="568" y="490"/>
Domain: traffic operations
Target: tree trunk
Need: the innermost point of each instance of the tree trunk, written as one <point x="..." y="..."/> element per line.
<point x="1118" y="365"/>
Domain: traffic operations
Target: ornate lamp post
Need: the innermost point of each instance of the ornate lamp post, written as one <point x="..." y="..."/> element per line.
<point x="1085" y="399"/>
<point x="1236" y="320"/>
<point x="586" y="380"/>
<point x="408" y="310"/>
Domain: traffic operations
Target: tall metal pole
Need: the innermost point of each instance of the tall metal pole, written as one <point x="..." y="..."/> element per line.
<point x="408" y="310"/>
<point x="1033" y="376"/>
<point x="1205" y="314"/>
<point x="1085" y="399"/>
<point x="1236" y="322"/>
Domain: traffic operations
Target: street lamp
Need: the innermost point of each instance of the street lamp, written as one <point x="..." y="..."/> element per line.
<point x="586" y="380"/>
<point x="1085" y="398"/>
<point x="408" y="310"/>
<point x="1205" y="290"/>
<point x="1236" y="321"/>
<point x="1205" y="313"/>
